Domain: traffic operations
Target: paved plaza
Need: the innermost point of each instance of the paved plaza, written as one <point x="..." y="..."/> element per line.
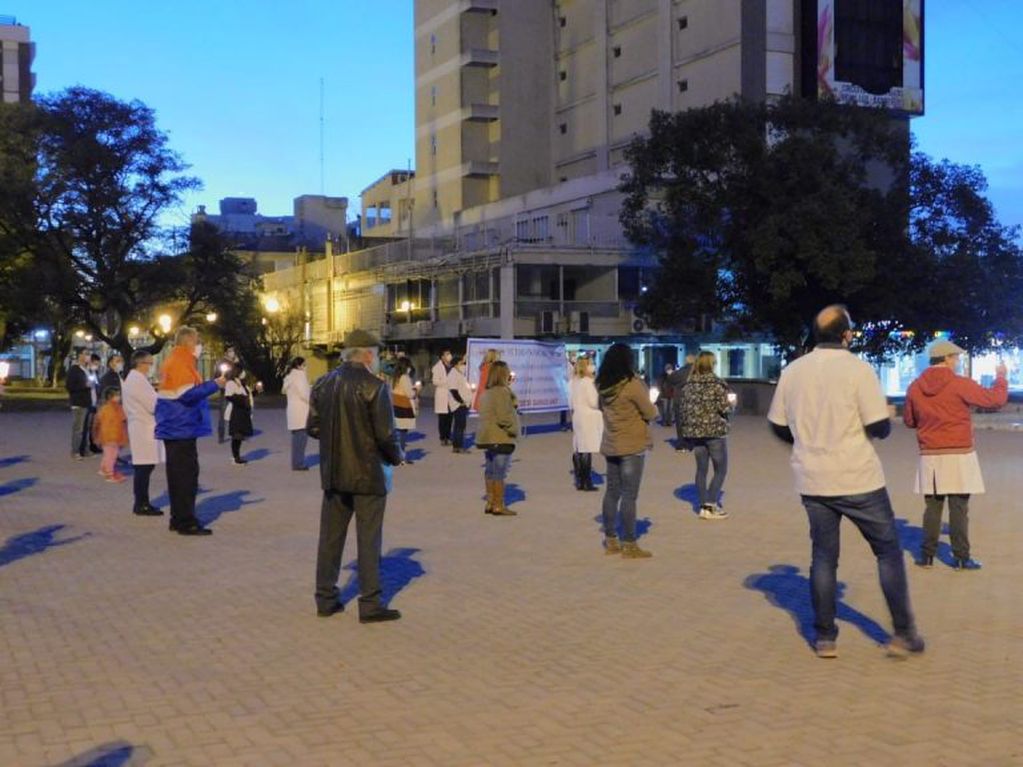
<point x="521" y="643"/>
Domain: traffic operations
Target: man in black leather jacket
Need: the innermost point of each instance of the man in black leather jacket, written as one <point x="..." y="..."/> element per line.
<point x="350" y="414"/>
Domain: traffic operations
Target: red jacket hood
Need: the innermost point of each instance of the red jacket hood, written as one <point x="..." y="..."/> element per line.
<point x="934" y="380"/>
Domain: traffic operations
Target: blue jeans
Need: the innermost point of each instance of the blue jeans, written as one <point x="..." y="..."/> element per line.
<point x="872" y="514"/>
<point x="298" y="443"/>
<point x="497" y="465"/>
<point x="624" y="473"/>
<point x="708" y="451"/>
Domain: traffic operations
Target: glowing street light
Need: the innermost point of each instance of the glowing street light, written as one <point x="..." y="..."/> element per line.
<point x="5" y="370"/>
<point x="165" y="322"/>
<point x="79" y="334"/>
<point x="133" y="331"/>
<point x="272" y="305"/>
<point x="211" y="317"/>
<point x="88" y="336"/>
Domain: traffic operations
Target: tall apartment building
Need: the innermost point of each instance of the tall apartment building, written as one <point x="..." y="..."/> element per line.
<point x="513" y="96"/>
<point x="16" y="54"/>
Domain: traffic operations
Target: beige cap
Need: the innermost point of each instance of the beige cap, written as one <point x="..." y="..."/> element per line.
<point x="943" y="349"/>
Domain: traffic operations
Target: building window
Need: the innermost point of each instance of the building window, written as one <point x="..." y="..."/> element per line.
<point x="683" y="22"/>
<point x="562" y="21"/>
<point x="563" y="179"/>
<point x="868" y="44"/>
<point x="541" y="227"/>
<point x="433" y="144"/>
<point x="617" y="51"/>
<point x="435" y="198"/>
<point x="563" y="128"/>
<point x="683" y="86"/>
<point x="433" y="95"/>
<point x="522" y="230"/>
<point x="617" y="109"/>
<point x="562" y="75"/>
<point x="433" y="44"/>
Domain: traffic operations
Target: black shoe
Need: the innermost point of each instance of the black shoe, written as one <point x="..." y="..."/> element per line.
<point x="301" y="468"/>
<point x="334" y="609"/>
<point x="381" y="615"/>
<point x="194" y="529"/>
<point x="925" y="560"/>
<point x="147" y="511"/>
<point x="445" y="442"/>
<point x="239" y="461"/>
<point x="966" y="564"/>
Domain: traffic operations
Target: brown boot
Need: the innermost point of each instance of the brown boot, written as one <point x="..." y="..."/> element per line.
<point x="500" y="510"/>
<point x="489" y="507"/>
<point x="611" y="545"/>
<point x="632" y="551"/>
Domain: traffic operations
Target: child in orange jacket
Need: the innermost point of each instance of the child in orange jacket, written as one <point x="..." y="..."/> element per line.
<point x="109" y="431"/>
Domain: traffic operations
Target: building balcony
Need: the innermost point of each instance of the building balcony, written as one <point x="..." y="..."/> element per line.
<point x="479" y="57"/>
<point x="479" y="168"/>
<point x="480" y="6"/>
<point x="482" y="113"/>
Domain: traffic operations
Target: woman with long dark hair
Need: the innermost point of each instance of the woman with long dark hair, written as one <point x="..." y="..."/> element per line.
<point x="625" y="403"/>
<point x="239" y="411"/>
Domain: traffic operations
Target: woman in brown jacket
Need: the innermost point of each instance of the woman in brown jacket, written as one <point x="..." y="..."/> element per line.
<point x="497" y="432"/>
<point x="625" y="403"/>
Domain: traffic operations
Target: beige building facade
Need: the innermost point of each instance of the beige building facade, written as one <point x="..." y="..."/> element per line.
<point x="17" y="51"/>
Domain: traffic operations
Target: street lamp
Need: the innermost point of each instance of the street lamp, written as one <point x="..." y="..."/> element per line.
<point x="272" y="305"/>
<point x="164" y="321"/>
<point x="79" y="334"/>
<point x="133" y="331"/>
<point x="211" y="317"/>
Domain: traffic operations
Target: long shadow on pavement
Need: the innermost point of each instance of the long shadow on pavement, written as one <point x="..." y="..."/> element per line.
<point x="10" y="461"/>
<point x="414" y="436"/>
<point x="689" y="494"/>
<point x="114" y="754"/>
<point x="164" y="500"/>
<point x="911" y="537"/>
<point x="210" y="509"/>
<point x="415" y="454"/>
<point x="397" y="570"/>
<point x="256" y="455"/>
<point x="17" y="485"/>
<point x="784" y="587"/>
<point x="36" y="542"/>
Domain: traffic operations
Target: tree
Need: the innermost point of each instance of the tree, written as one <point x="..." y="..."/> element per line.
<point x="82" y="190"/>
<point x="763" y="213"/>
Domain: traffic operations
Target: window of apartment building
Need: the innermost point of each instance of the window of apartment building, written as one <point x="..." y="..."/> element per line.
<point x="563" y="128"/>
<point x="435" y="198"/>
<point x="683" y="86"/>
<point x="617" y="109"/>
<point x="617" y="51"/>
<point x="562" y="21"/>
<point x="433" y="44"/>
<point x="580" y="227"/>
<point x="522" y="230"/>
<point x="433" y="95"/>
<point x="433" y="144"/>
<point x="541" y="227"/>
<point x="562" y="75"/>
<point x="683" y="22"/>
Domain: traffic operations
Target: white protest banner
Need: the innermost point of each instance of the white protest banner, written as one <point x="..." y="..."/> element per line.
<point x="540" y="368"/>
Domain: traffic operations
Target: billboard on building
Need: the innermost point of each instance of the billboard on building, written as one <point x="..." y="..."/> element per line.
<point x="871" y="53"/>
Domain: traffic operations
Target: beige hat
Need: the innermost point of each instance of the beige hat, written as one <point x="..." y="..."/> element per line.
<point x="943" y="349"/>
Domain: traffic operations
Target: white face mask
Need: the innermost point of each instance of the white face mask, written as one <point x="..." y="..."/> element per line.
<point x="241" y="376"/>
<point x="197" y="351"/>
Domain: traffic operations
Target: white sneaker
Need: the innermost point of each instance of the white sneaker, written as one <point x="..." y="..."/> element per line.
<point x="707" y="511"/>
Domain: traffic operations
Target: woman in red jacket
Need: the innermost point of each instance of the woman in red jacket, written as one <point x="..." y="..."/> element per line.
<point x="938" y="407"/>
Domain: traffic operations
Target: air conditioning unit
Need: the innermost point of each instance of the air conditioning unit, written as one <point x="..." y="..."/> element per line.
<point x="581" y="322"/>
<point x="548" y="322"/>
<point x="636" y="323"/>
<point x="424" y="327"/>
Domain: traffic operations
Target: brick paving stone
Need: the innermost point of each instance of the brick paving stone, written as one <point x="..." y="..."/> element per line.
<point x="522" y="644"/>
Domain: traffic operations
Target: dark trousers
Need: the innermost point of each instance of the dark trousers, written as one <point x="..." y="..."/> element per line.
<point x="676" y="413"/>
<point x="872" y="514"/>
<point x="444" y="426"/>
<point x="221" y="423"/>
<point x="707" y="451"/>
<point x="140" y="484"/>
<point x="182" y="480"/>
<point x="80" y="417"/>
<point x="236" y="449"/>
<point x="458" y="420"/>
<point x="958" y="524"/>
<point x="335" y="514"/>
<point x="86" y="443"/>
<point x="299" y="438"/>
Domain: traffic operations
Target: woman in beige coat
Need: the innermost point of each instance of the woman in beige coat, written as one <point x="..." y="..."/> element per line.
<point x="625" y="403"/>
<point x="497" y="432"/>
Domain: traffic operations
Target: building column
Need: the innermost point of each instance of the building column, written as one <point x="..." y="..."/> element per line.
<point x="508" y="301"/>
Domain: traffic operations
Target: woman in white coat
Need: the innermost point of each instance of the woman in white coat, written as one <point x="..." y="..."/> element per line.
<point x="139" y="400"/>
<point x="587" y="422"/>
<point x="296" y="389"/>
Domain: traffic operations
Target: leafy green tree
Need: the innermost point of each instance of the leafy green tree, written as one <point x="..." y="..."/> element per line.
<point x="761" y="214"/>
<point x="84" y="181"/>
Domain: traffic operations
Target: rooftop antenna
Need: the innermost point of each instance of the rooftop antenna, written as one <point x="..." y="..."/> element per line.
<point x="321" y="138"/>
